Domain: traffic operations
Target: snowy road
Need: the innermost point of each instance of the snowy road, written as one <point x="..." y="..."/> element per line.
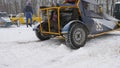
<point x="20" y="48"/>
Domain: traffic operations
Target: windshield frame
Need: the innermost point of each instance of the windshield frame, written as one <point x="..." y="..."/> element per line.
<point x="92" y="11"/>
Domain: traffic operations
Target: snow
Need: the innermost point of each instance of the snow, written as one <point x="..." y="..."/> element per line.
<point x="20" y="48"/>
<point x="117" y="3"/>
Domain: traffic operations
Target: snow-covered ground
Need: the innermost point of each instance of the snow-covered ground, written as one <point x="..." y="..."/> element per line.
<point x="20" y="48"/>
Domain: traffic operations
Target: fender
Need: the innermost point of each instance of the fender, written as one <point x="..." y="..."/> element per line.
<point x="66" y="28"/>
<point x="36" y="27"/>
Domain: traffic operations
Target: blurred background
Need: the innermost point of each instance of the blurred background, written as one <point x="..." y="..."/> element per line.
<point x="17" y="6"/>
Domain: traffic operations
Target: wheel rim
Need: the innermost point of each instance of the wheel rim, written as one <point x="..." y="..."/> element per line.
<point x="78" y="36"/>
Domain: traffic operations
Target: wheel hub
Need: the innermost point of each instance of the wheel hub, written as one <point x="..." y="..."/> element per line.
<point x="78" y="35"/>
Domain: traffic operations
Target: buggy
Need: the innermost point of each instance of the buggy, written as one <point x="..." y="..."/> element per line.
<point x="75" y="23"/>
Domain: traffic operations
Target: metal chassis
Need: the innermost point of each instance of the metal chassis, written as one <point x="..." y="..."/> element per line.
<point x="58" y="11"/>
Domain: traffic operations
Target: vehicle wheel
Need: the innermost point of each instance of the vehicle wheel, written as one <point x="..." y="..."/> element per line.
<point x="76" y="36"/>
<point x="41" y="36"/>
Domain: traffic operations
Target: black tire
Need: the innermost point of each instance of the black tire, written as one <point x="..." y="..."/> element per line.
<point x="41" y="36"/>
<point x="76" y="36"/>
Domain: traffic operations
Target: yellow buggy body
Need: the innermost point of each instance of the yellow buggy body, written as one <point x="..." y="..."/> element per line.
<point x="22" y="20"/>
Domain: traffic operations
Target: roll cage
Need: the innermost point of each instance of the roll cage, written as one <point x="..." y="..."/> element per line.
<point x="64" y="13"/>
<point x="46" y="13"/>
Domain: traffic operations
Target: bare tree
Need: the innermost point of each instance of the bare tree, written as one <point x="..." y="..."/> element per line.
<point x="17" y="6"/>
<point x="107" y="6"/>
<point x="112" y="6"/>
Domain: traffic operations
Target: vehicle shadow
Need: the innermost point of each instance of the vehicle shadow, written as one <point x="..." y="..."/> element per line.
<point x="55" y="41"/>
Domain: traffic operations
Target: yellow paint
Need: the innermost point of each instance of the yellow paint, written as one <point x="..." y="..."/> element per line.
<point x="21" y="18"/>
<point x="58" y="12"/>
<point x="96" y="35"/>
